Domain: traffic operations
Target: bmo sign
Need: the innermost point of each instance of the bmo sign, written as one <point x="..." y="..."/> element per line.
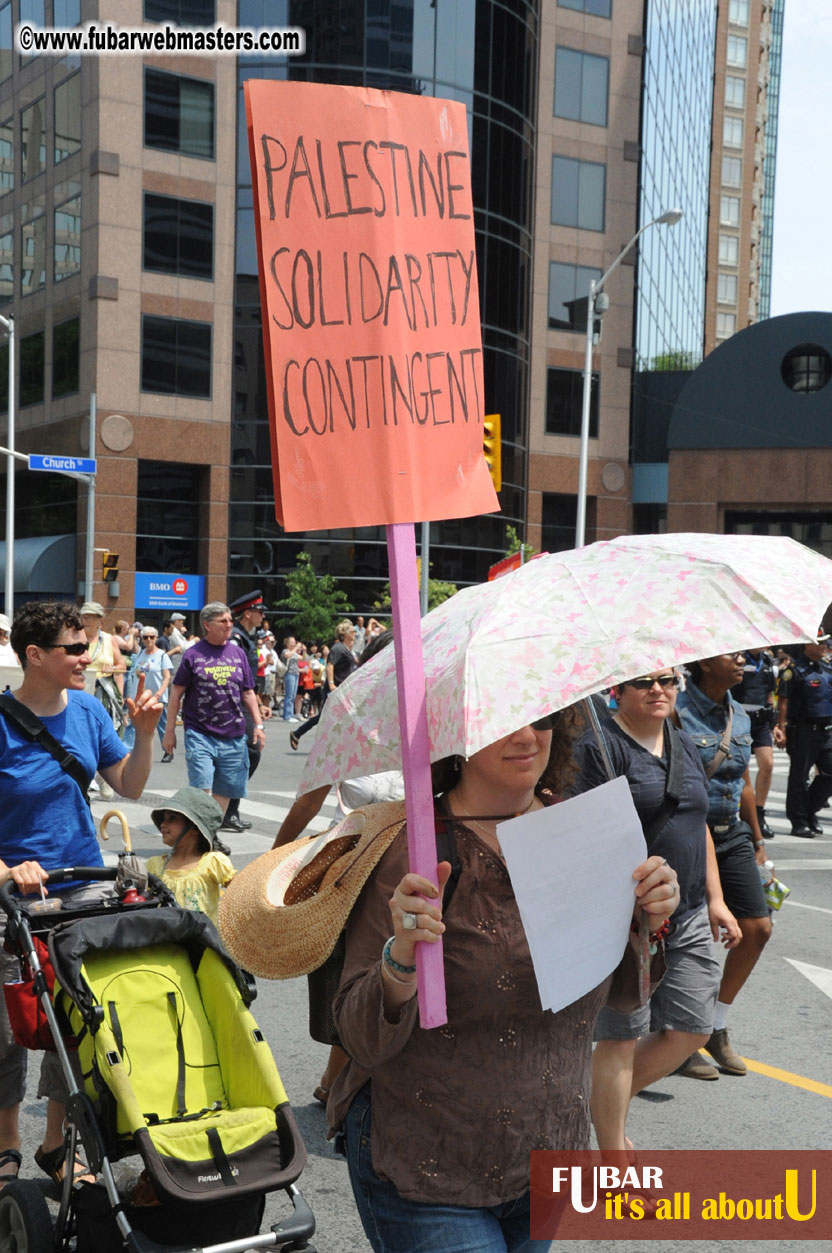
<point x="169" y="591"/>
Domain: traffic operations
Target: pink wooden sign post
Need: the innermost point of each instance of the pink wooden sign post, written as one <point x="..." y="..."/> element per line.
<point x="413" y="722"/>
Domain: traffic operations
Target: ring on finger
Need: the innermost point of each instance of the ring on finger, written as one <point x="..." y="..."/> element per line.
<point x="409" y="922"/>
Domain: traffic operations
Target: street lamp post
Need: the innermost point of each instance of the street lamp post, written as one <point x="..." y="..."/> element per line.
<point x="8" y="323"/>
<point x="670" y="218"/>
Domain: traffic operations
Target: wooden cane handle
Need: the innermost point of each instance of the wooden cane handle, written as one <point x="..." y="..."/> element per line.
<point x="125" y="830"/>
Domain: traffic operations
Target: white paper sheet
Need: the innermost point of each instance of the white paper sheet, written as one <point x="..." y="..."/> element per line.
<point x="571" y="867"/>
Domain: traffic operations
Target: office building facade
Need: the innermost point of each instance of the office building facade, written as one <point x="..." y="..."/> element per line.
<point x="127" y="259"/>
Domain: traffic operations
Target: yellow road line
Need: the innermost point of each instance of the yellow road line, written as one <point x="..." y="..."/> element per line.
<point x="786" y="1076"/>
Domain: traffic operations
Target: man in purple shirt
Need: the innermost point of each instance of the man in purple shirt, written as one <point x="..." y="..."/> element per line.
<point x="214" y="685"/>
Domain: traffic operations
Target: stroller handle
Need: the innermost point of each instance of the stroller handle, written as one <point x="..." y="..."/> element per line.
<point x="10" y="902"/>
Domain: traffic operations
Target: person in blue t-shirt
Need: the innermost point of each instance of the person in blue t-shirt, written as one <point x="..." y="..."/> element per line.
<point x="45" y="819"/>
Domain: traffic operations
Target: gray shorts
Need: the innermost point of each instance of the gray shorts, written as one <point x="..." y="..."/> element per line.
<point x="685" y="998"/>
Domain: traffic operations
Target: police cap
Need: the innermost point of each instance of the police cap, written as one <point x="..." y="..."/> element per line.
<point x="251" y="600"/>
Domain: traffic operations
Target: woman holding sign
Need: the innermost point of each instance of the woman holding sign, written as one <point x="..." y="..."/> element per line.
<point x="438" y="1124"/>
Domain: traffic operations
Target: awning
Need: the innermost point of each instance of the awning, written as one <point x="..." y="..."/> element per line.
<point x="44" y="565"/>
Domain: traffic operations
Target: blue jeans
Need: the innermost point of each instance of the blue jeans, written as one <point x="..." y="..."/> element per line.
<point x="216" y="764"/>
<point x="290" y="691"/>
<point x="394" y="1225"/>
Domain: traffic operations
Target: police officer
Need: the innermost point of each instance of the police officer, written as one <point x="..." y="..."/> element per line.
<point x="247" y="611"/>
<point x="756" y="695"/>
<point x="805" y="726"/>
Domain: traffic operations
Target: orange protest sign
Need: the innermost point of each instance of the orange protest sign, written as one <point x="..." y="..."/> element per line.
<point x="370" y="305"/>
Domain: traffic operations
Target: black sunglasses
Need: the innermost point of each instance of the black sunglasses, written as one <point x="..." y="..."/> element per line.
<point x="71" y="650"/>
<point x="644" y="685"/>
<point x="544" y="724"/>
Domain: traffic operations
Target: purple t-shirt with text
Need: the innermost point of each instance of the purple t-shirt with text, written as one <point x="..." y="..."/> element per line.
<point x="214" y="677"/>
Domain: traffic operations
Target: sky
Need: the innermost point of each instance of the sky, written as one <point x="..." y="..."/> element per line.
<point x="802" y="253"/>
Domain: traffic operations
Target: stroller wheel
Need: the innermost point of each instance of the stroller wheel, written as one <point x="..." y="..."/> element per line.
<point x="25" y="1222"/>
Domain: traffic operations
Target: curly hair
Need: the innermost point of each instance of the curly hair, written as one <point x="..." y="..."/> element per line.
<point x="41" y="622"/>
<point x="560" y="768"/>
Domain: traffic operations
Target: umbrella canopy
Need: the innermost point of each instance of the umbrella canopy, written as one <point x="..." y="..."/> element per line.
<point x="499" y="655"/>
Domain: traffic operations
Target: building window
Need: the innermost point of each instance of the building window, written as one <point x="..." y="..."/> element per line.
<point x="729" y="210"/>
<point x="176" y="357"/>
<point x="581" y="86"/>
<point x="807" y="368"/>
<point x="66" y="358"/>
<point x="568" y="294"/>
<point x="738" y="12"/>
<point x="33" y="121"/>
<point x="67" y="243"/>
<point x="167" y="517"/>
<point x="67" y="12"/>
<point x="727" y="289"/>
<point x="732" y="171"/>
<point x="182" y="12"/>
<point x="31" y="369"/>
<point x="178" y="236"/>
<point x="178" y="114"/>
<point x="564" y="400"/>
<point x="6" y="156"/>
<point x="732" y="129"/>
<point x="734" y="92"/>
<point x="33" y="250"/>
<point x="596" y="8"/>
<point x="729" y="247"/>
<point x="7" y="257"/>
<point x="737" y="51"/>
<point x="578" y="189"/>
<point x="6" y="42"/>
<point x="559" y="514"/>
<point x="33" y="13"/>
<point x="67" y="118"/>
<point x="726" y="325"/>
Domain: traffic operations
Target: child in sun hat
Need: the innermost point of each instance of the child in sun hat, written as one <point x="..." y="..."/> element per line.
<point x="193" y="870"/>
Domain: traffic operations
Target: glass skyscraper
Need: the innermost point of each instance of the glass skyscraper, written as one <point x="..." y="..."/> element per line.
<point x="775" y="57"/>
<point x="484" y="54"/>
<point x="675" y="165"/>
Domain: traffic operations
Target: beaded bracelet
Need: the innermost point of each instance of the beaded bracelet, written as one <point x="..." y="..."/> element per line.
<point x="389" y="960"/>
<point x="661" y="933"/>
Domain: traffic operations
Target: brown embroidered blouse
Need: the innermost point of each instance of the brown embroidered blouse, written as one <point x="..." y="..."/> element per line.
<point x="456" y="1110"/>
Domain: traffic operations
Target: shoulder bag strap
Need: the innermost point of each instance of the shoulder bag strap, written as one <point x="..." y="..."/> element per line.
<point x="446" y="850"/>
<point x="724" y="747"/>
<point x="31" y="726"/>
<point x="674" y="782"/>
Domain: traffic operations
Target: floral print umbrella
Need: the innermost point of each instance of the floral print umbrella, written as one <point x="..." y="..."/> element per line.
<point x="499" y="655"/>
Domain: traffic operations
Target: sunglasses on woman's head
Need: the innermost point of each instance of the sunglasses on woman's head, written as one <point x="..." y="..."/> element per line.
<point x="71" y="650"/>
<point x="644" y="685"/>
<point x="544" y="724"/>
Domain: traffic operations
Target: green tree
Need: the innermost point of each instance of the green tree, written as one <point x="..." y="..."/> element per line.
<point x="678" y="359"/>
<point x="516" y="545"/>
<point x="438" y="591"/>
<point x="316" y="603"/>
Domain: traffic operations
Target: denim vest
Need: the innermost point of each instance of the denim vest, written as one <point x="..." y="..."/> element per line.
<point x="705" y="723"/>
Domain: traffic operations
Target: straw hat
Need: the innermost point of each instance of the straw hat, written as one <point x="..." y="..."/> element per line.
<point x="281" y="915"/>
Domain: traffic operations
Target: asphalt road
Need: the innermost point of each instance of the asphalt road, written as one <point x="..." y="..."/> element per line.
<point x="781" y="1022"/>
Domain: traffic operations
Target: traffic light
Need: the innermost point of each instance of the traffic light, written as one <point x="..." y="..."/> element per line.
<point x="109" y="567"/>
<point x="491" y="449"/>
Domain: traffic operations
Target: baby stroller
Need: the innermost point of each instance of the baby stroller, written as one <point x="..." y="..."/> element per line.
<point x="175" y="1070"/>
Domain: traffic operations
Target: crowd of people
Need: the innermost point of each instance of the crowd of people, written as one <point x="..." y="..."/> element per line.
<point x="682" y="740"/>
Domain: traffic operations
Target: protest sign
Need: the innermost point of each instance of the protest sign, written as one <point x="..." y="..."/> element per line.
<point x="370" y="305"/>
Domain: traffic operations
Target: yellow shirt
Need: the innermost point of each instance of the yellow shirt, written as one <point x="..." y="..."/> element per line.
<point x="197" y="887"/>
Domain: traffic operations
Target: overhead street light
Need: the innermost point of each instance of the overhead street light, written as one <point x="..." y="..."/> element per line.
<point x="593" y="306"/>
